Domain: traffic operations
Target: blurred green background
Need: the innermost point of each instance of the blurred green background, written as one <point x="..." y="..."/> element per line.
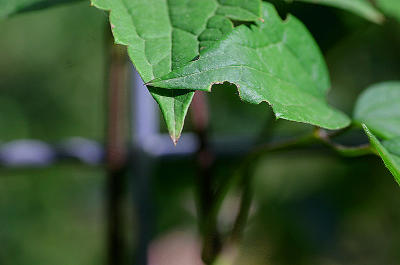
<point x="310" y="207"/>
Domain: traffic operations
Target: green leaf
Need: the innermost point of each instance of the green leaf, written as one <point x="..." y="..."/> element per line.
<point x="362" y="8"/>
<point x="10" y="7"/>
<point x="389" y="151"/>
<point x="379" y="108"/>
<point x="164" y="35"/>
<point x="276" y="62"/>
<point x="393" y="146"/>
<point x="390" y="7"/>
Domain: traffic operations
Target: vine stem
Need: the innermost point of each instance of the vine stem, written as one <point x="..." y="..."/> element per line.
<point x="243" y="174"/>
<point x="317" y="136"/>
<point x="245" y="204"/>
<point x="205" y="160"/>
<point x="346" y="151"/>
<point x="210" y="202"/>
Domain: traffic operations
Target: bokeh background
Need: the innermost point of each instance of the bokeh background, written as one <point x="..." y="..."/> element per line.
<point x="310" y="206"/>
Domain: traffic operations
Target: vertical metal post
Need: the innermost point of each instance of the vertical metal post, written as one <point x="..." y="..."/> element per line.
<point x="116" y="154"/>
<point x="145" y="126"/>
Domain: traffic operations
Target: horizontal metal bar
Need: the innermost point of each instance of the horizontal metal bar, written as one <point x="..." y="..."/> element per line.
<point x="34" y="153"/>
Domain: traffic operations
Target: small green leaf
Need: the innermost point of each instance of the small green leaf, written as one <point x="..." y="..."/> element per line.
<point x="164" y="35"/>
<point x="379" y="108"/>
<point x="389" y="151"/>
<point x="275" y="61"/>
<point x="10" y="7"/>
<point x="362" y="8"/>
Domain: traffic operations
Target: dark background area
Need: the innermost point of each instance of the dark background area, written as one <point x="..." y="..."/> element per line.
<point x="310" y="206"/>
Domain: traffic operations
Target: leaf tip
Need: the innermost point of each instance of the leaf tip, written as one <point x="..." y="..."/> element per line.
<point x="365" y="128"/>
<point x="175" y="139"/>
<point x="150" y="83"/>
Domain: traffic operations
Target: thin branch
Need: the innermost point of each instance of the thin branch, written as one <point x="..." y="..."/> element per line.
<point x="205" y="160"/>
<point x="246" y="169"/>
<point x="245" y="205"/>
<point x="251" y="158"/>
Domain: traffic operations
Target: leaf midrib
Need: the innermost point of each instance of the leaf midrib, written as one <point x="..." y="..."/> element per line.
<point x="236" y="66"/>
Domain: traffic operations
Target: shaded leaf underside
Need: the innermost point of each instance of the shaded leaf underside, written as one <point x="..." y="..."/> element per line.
<point x="378" y="110"/>
<point x="275" y="61"/>
<point x="363" y="8"/>
<point x="390" y="7"/>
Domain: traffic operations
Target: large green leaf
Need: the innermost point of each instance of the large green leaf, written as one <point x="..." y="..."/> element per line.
<point x="10" y="7"/>
<point x="164" y="35"/>
<point x="363" y="8"/>
<point x="379" y="108"/>
<point x="390" y="7"/>
<point x="274" y="61"/>
<point x="389" y="151"/>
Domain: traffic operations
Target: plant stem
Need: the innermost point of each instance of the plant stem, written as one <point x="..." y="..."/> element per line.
<point x="205" y="159"/>
<point x="246" y="170"/>
<point x="317" y="136"/>
<point x="245" y="204"/>
<point x="353" y="151"/>
<point x="251" y="159"/>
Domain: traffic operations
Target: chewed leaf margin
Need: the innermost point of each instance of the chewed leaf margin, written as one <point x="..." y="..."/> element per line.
<point x="297" y="97"/>
<point x="180" y="47"/>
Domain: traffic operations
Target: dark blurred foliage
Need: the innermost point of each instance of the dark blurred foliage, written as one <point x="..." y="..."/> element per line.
<point x="52" y="87"/>
<point x="52" y="74"/>
<point x="310" y="207"/>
